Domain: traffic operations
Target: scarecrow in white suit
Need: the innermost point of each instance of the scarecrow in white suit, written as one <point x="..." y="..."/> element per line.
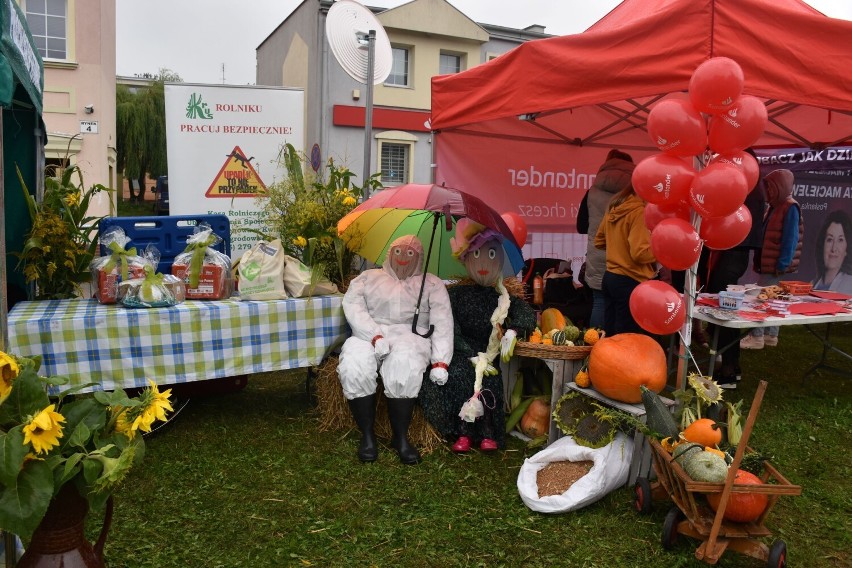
<point x="380" y="306"/>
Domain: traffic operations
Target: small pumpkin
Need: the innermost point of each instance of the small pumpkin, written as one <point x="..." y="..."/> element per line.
<point x="703" y="431"/>
<point x="620" y="364"/>
<point x="552" y="318"/>
<point x="706" y="466"/>
<point x="683" y="449"/>
<point x="582" y="379"/>
<point x="742" y="507"/>
<point x="591" y="336"/>
<point x="536" y="420"/>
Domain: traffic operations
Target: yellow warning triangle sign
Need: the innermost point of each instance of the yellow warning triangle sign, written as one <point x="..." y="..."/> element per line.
<point x="237" y="178"/>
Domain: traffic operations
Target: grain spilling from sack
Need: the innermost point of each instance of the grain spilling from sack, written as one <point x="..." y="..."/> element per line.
<point x="557" y="477"/>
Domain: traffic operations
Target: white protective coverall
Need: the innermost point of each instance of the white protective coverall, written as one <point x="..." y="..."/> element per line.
<point x="379" y="302"/>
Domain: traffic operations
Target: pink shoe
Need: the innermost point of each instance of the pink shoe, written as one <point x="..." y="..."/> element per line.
<point x="770" y="340"/>
<point x="751" y="342"/>
<point x="462" y="445"/>
<point x="488" y="445"/>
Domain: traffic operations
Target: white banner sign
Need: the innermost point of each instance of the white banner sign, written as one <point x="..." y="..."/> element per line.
<point x="223" y="148"/>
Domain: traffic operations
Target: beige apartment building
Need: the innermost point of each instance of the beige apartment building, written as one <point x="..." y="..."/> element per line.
<point x="76" y="40"/>
<point x="427" y="37"/>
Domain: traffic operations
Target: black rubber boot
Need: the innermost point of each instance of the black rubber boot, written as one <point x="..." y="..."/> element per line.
<point x="400" y="411"/>
<point x="364" y="412"/>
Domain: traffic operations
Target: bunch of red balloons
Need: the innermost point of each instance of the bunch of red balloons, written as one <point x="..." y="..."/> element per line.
<point x="716" y="115"/>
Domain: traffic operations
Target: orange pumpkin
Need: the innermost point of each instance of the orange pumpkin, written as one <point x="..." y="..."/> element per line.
<point x="552" y="318"/>
<point x="536" y="420"/>
<point x="618" y="365"/>
<point x="703" y="431"/>
<point x="742" y="507"/>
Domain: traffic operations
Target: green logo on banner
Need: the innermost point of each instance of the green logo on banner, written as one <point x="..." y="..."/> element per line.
<point x="196" y="108"/>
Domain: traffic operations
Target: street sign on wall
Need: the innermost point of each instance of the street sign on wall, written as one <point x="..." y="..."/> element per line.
<point x="223" y="148"/>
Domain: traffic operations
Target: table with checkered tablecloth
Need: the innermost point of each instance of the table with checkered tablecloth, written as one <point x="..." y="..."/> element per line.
<point x="117" y="347"/>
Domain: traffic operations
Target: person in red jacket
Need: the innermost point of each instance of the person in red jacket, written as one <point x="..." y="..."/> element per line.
<point x="783" y="230"/>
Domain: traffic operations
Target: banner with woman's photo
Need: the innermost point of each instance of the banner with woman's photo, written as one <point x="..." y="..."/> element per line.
<point x="823" y="189"/>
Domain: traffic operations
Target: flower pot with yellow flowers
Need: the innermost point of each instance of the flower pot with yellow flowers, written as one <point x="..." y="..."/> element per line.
<point x="303" y="210"/>
<point x="62" y="453"/>
<point x="62" y="241"/>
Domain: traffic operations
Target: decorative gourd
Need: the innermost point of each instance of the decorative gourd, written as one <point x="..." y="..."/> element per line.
<point x="582" y="379"/>
<point x="558" y="337"/>
<point x="682" y="450"/>
<point x="591" y="336"/>
<point x="742" y="507"/>
<point x="620" y="364"/>
<point x="552" y="318"/>
<point x="536" y="420"/>
<point x="705" y="466"/>
<point x="703" y="431"/>
<point x="572" y="332"/>
<point x="657" y="415"/>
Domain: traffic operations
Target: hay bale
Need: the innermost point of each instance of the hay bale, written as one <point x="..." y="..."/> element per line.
<point x="334" y="414"/>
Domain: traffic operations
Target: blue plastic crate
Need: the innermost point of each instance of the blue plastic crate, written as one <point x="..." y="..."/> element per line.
<point x="168" y="234"/>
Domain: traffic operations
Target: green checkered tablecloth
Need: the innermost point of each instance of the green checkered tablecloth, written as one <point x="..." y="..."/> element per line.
<point x="117" y="347"/>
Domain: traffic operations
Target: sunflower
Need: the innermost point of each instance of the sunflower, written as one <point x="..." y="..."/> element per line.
<point x="154" y="406"/>
<point x="44" y="430"/>
<point x="122" y="424"/>
<point x="9" y="370"/>
<point x="705" y="388"/>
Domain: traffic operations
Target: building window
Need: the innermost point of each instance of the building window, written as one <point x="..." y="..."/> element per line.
<point x="399" y="69"/>
<point x="449" y="64"/>
<point x="47" y="21"/>
<point x="395" y="159"/>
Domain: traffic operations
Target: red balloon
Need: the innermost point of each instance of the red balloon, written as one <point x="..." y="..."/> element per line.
<point x="715" y="85"/>
<point x="718" y="190"/>
<point x="675" y="243"/>
<point x="739" y="127"/>
<point x="676" y="128"/>
<point x="517" y="225"/>
<point x="722" y="233"/>
<point x="657" y="307"/>
<point x="746" y="163"/>
<point x="655" y="213"/>
<point x="662" y="179"/>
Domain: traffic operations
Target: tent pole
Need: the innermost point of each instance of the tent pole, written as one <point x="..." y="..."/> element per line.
<point x="368" y="118"/>
<point x="4" y="305"/>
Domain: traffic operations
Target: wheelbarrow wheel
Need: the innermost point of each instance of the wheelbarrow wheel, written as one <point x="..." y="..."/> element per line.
<point x="673" y="518"/>
<point x="642" y="496"/>
<point x="777" y="555"/>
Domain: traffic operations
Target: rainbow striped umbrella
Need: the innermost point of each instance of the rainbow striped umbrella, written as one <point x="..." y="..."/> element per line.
<point x="430" y="212"/>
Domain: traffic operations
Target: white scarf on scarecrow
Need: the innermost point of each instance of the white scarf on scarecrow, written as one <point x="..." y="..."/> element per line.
<point x="470" y="237"/>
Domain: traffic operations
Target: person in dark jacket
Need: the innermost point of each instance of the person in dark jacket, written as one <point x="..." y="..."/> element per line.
<point x="614" y="175"/>
<point x="783" y="230"/>
<point x="727" y="267"/>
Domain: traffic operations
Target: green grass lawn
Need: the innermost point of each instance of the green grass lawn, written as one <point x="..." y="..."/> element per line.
<point x="127" y="208"/>
<point x="247" y="479"/>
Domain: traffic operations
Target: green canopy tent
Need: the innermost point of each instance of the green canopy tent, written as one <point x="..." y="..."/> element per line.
<point x="21" y="146"/>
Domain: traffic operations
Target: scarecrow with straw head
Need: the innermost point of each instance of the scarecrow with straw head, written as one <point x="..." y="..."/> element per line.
<point x="469" y="408"/>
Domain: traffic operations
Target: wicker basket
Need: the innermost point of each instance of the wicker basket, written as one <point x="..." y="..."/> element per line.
<point x="541" y="351"/>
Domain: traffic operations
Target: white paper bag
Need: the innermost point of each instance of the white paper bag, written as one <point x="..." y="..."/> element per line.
<point x="297" y="280"/>
<point x="609" y="472"/>
<point x="261" y="272"/>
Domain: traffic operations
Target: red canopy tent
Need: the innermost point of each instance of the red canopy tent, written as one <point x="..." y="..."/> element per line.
<point x="528" y="128"/>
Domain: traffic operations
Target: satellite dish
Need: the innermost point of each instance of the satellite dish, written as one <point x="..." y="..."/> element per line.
<point x="361" y="46"/>
<point x="347" y="26"/>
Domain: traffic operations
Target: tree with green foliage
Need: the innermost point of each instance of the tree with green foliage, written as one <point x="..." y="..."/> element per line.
<point x="141" y="132"/>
